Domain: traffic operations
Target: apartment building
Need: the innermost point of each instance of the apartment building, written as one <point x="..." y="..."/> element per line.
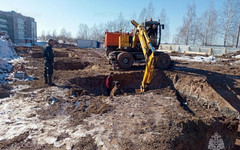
<point x="21" y="29"/>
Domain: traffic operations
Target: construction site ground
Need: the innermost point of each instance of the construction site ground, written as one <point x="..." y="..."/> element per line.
<point x="185" y="106"/>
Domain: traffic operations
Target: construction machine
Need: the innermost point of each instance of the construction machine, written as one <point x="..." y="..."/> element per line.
<point x="123" y="49"/>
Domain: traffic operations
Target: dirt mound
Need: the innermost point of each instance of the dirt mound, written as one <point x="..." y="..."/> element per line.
<point x="70" y="65"/>
<point x="78" y="92"/>
<point x="38" y="54"/>
<point x="86" y="143"/>
<point x="197" y="134"/>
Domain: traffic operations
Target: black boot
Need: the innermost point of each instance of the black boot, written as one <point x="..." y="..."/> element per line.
<point x="50" y="81"/>
<point x="46" y="80"/>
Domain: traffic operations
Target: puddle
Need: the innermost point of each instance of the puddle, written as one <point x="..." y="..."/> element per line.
<point x="52" y="100"/>
<point x="63" y="108"/>
<point x="76" y="104"/>
<point x="86" y="105"/>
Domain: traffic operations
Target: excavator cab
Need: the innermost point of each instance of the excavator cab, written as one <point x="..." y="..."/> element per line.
<point x="154" y="30"/>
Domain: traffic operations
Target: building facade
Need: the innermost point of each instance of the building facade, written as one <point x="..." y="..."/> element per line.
<point x="22" y="30"/>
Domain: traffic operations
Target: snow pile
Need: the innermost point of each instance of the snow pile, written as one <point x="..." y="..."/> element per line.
<point x="237" y="56"/>
<point x="6" y="48"/>
<point x="235" y="63"/>
<point x="195" y="58"/>
<point x="7" y="53"/>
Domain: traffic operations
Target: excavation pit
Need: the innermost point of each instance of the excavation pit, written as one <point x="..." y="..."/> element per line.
<point x="70" y="64"/>
<point x="39" y="54"/>
<point x="171" y="83"/>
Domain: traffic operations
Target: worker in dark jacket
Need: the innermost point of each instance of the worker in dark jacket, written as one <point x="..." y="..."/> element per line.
<point x="48" y="62"/>
<point x="152" y="31"/>
<point x="109" y="83"/>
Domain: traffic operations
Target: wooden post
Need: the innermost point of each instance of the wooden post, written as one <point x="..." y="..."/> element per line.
<point x="199" y="50"/>
<point x="238" y="35"/>
<point x="210" y="51"/>
<point x="225" y="51"/>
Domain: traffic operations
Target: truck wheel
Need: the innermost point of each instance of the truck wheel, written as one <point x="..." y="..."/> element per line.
<point x="163" y="61"/>
<point x="125" y="60"/>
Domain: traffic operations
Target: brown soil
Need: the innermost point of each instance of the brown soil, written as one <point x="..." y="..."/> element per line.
<point x="157" y="119"/>
<point x="70" y="64"/>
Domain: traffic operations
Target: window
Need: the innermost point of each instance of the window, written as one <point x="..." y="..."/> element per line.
<point x="20" y="23"/>
<point x="3" y="26"/>
<point x="3" y="20"/>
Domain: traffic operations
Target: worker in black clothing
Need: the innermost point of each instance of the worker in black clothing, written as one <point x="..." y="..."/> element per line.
<point x="152" y="34"/>
<point x="48" y="62"/>
<point x="152" y="31"/>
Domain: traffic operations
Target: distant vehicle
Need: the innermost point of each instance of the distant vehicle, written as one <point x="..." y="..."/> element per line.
<point x="88" y="43"/>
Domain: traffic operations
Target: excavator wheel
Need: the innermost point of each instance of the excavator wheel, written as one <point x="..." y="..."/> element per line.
<point x="125" y="60"/>
<point x="108" y="50"/>
<point x="163" y="61"/>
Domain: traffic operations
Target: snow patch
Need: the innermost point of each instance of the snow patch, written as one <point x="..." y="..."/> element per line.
<point x="7" y="53"/>
<point x="237" y="56"/>
<point x="195" y="58"/>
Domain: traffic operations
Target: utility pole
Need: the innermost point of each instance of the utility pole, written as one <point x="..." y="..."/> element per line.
<point x="238" y="35"/>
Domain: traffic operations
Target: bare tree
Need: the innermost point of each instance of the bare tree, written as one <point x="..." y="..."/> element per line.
<point x="54" y="34"/>
<point x="210" y="24"/>
<point x="164" y="20"/>
<point x="111" y="26"/>
<point x="43" y="36"/>
<point x="96" y="33"/>
<point x="230" y="19"/>
<point x="142" y="15"/>
<point x="83" y="32"/>
<point x="150" y="11"/>
<point x="49" y="35"/>
<point x="186" y="33"/>
<point x="63" y="35"/>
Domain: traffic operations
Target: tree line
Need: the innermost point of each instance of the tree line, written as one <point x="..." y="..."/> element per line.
<point x="213" y="27"/>
<point x="97" y="31"/>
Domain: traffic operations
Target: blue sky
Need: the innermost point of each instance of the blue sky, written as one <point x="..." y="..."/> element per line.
<point x="68" y="14"/>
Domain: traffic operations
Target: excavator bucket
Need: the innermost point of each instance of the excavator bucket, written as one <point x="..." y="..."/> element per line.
<point x="139" y="91"/>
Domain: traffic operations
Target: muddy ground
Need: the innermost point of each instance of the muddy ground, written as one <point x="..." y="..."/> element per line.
<point x="184" y="108"/>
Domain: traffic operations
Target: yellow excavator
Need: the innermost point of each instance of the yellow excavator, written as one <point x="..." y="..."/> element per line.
<point x="152" y="57"/>
<point x="140" y="45"/>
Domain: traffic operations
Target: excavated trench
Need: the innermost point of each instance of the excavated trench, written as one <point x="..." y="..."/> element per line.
<point x="70" y="64"/>
<point x="188" y="88"/>
<point x="38" y="54"/>
<point x="192" y="86"/>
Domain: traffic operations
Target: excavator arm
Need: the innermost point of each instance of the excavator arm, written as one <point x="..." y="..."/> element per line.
<point x="149" y="54"/>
